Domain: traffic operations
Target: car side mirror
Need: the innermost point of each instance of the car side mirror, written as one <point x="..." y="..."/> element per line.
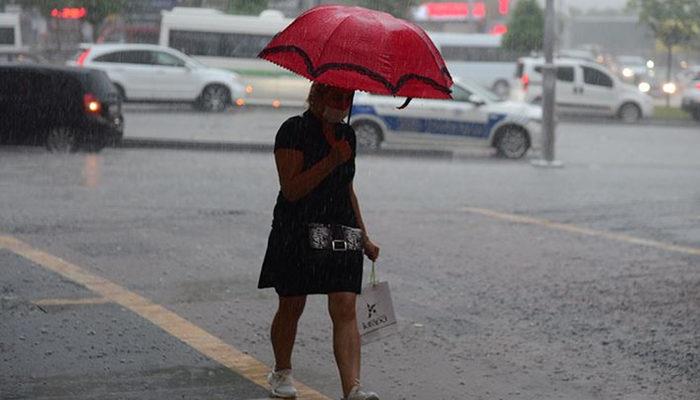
<point x="476" y="100"/>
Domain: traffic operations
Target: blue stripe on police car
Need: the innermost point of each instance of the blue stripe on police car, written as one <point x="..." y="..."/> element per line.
<point x="432" y="125"/>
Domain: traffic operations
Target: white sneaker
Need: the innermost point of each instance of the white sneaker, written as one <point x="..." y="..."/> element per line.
<point x="281" y="384"/>
<point x="357" y="394"/>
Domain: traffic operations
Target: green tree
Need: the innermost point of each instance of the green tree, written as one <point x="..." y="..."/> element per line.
<point x="252" y="7"/>
<point x="97" y="10"/>
<point x="525" y="28"/>
<point x="674" y="23"/>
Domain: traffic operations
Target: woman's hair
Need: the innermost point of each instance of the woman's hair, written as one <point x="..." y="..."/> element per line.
<point x="316" y="93"/>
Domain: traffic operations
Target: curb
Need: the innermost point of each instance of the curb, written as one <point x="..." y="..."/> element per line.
<point x="681" y="123"/>
<point x="169" y="144"/>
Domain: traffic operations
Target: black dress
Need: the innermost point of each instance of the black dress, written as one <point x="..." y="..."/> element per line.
<point x="291" y="266"/>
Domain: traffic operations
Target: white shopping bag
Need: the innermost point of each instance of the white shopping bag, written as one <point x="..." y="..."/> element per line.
<point x="375" y="311"/>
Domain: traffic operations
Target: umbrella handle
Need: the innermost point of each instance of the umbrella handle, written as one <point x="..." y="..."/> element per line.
<point x="405" y="103"/>
<point x="352" y="98"/>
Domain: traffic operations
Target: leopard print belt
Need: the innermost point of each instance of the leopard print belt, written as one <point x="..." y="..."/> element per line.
<point x="335" y="237"/>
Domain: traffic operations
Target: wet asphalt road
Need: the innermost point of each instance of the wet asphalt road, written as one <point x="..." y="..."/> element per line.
<point x="488" y="308"/>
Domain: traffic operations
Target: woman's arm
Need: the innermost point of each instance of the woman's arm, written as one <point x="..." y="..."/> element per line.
<point x="371" y="250"/>
<point x="296" y="184"/>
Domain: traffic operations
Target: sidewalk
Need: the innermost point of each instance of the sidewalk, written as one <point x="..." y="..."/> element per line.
<point x="69" y="333"/>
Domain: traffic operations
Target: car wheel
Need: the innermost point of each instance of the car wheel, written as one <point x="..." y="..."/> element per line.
<point x="214" y="98"/>
<point x="61" y="140"/>
<point x="512" y="142"/>
<point x="630" y="113"/>
<point x="369" y="135"/>
<point x="501" y="88"/>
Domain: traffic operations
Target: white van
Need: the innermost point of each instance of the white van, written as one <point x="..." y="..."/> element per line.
<point x="583" y="88"/>
<point x="10" y="32"/>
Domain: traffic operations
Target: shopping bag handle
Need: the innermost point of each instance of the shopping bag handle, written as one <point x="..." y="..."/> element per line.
<point x="373" y="276"/>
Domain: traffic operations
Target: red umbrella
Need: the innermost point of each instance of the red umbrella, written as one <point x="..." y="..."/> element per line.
<point x="360" y="49"/>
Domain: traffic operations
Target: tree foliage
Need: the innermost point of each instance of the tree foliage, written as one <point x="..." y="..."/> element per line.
<point x="674" y="22"/>
<point x="525" y="28"/>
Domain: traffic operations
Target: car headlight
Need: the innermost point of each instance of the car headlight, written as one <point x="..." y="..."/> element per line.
<point x="669" y="88"/>
<point x="644" y="87"/>
<point x="627" y="73"/>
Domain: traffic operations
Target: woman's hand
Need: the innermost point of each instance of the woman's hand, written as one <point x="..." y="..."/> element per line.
<point x="341" y="152"/>
<point x="371" y="249"/>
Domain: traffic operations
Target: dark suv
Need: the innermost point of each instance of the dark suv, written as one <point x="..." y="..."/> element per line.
<point x="65" y="109"/>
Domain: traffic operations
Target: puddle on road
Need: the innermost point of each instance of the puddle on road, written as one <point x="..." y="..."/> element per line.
<point x="92" y="171"/>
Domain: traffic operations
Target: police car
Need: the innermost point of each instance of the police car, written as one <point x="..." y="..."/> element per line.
<point x="475" y="116"/>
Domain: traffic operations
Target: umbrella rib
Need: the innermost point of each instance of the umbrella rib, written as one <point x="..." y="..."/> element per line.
<point x="316" y="72"/>
<point x="290" y="49"/>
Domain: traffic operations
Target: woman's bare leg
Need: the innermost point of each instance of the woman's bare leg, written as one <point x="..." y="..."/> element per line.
<point x="346" y="338"/>
<point x="284" y="329"/>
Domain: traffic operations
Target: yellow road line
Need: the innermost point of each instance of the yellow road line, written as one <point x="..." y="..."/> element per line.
<point x="70" y="302"/>
<point x="192" y="335"/>
<point x="583" y="231"/>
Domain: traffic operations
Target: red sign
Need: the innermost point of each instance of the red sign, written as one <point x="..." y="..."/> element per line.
<point x="499" y="29"/>
<point x="503" y="7"/>
<point x="479" y="10"/>
<point x="450" y="11"/>
<point x="69" y="12"/>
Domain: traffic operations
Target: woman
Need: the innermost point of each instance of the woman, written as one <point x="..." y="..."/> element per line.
<point x="315" y="157"/>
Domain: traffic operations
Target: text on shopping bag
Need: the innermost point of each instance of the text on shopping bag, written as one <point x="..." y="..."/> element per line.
<point x="375" y="309"/>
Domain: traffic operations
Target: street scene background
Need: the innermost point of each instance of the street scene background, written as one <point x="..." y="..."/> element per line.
<point x="125" y="272"/>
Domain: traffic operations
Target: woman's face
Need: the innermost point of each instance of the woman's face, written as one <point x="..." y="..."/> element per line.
<point x="339" y="99"/>
<point x="336" y="104"/>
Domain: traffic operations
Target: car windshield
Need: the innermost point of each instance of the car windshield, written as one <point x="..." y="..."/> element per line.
<point x="463" y="89"/>
<point x="192" y="61"/>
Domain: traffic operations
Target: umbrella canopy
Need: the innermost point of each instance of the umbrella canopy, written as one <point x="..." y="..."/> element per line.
<point x="360" y="49"/>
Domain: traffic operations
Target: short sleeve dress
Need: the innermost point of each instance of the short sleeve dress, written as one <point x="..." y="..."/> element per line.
<point x="290" y="265"/>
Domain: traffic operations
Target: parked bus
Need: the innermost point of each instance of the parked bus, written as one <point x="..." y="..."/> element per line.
<point x="479" y="58"/>
<point x="233" y="42"/>
<point x="10" y="32"/>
